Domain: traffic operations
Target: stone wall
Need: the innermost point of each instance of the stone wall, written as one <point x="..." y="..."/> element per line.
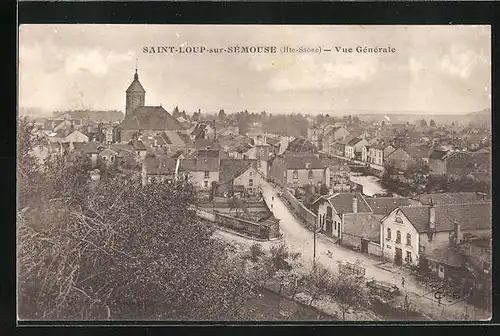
<point x="308" y="217"/>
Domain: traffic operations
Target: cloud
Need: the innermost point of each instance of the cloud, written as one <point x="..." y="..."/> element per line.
<point x="309" y="73"/>
<point x="459" y="62"/>
<point x="95" y="61"/>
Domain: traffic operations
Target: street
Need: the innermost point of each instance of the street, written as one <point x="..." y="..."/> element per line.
<point x="300" y="239"/>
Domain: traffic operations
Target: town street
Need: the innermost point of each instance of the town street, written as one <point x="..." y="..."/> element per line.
<point x="300" y="239"/>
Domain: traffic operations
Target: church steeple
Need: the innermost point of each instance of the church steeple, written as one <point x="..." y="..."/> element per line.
<point x="135" y="95"/>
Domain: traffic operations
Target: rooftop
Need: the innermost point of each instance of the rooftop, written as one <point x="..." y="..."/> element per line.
<point x="473" y="216"/>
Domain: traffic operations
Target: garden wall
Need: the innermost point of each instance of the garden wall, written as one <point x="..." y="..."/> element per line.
<point x="300" y="210"/>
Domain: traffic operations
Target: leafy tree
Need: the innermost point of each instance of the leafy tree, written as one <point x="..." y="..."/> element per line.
<point x="432" y="123"/>
<point x="118" y="250"/>
<point x="348" y="291"/>
<point x="423" y="123"/>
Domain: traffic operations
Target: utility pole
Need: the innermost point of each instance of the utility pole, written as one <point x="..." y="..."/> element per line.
<point x="314" y="245"/>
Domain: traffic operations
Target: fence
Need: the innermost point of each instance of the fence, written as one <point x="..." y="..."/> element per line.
<point x="374" y="249"/>
<point x="300" y="210"/>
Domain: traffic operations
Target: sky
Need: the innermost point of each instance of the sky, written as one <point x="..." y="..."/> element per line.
<point x="435" y="69"/>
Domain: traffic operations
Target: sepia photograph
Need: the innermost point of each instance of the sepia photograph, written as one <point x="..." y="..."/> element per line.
<point x="254" y="173"/>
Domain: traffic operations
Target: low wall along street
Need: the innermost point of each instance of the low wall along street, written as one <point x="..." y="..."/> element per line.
<point x="300" y="210"/>
<point x="258" y="230"/>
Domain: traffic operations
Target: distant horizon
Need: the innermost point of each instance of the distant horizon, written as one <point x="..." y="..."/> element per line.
<point x="346" y="112"/>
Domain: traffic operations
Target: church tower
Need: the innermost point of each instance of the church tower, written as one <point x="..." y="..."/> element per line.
<point x="135" y="95"/>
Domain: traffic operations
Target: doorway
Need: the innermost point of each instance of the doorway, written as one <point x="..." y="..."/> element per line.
<point x="364" y="245"/>
<point x="441" y="271"/>
<point x="398" y="259"/>
<point x="329" y="228"/>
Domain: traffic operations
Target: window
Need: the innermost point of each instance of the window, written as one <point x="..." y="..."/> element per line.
<point x="295" y="175"/>
<point x="205" y="184"/>
<point x="310" y="174"/>
<point x="112" y="158"/>
<point x="398" y="237"/>
<point x="105" y="158"/>
<point x="398" y="219"/>
<point x="250" y="182"/>
<point x="251" y="173"/>
<point x="408" y="239"/>
<point x="207" y="175"/>
<point x="388" y="234"/>
<point x="408" y="257"/>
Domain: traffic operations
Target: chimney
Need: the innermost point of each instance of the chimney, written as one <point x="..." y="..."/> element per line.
<point x="432" y="216"/>
<point x="354" y="204"/>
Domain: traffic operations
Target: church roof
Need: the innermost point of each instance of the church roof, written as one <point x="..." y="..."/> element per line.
<point x="151" y="118"/>
<point x="136" y="86"/>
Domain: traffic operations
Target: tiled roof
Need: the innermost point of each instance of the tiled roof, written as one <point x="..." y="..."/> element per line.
<point x="302" y="161"/>
<point x="446" y="255"/>
<point x="342" y="203"/>
<point x="473" y="216"/>
<point x="201" y="164"/>
<point x="186" y="139"/>
<point x="151" y="118"/>
<point x="212" y="153"/>
<point x="450" y="198"/>
<point x="384" y="205"/>
<point x="437" y="154"/>
<point x="137" y="145"/>
<point x="363" y="225"/>
<point x="232" y="168"/>
<point x="354" y="141"/>
<point x="206" y="143"/>
<point x="417" y="152"/>
<point x="160" y="165"/>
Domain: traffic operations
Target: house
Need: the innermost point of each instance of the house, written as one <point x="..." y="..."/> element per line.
<point x="204" y="169"/>
<point x="333" y="134"/>
<point x="437" y="162"/>
<point x="373" y="154"/>
<point x="229" y="131"/>
<point x="204" y="130"/>
<point x="238" y="174"/>
<point x="338" y="147"/>
<point x="332" y="208"/>
<point x="68" y="136"/>
<point x="301" y="145"/>
<point x="161" y="169"/>
<point x="314" y="135"/>
<point x="399" y="158"/>
<point x="354" y="148"/>
<point x="409" y="232"/>
<point x="298" y="169"/>
<point x="108" y="156"/>
<point x="418" y="153"/>
<point x="381" y="206"/>
<point x="144" y="120"/>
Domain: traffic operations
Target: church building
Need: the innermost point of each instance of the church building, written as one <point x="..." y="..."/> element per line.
<point x="144" y="122"/>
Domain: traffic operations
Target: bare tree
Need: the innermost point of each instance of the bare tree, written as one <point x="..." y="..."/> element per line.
<point x="347" y="289"/>
<point x="318" y="282"/>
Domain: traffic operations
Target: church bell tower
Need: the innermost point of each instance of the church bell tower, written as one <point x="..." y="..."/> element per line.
<point x="135" y="95"/>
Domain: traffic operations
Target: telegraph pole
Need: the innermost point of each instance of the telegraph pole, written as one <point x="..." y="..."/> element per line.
<point x="314" y="245"/>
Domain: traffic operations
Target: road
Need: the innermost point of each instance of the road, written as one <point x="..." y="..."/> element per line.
<point x="300" y="239"/>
